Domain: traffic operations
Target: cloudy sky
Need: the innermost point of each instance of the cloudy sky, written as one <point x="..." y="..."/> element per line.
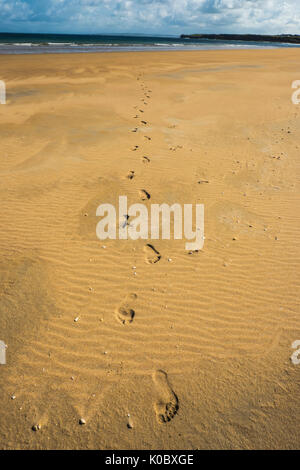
<point x="150" y="16"/>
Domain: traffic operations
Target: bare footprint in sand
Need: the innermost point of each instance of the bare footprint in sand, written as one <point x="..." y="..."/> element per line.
<point x="152" y="255"/>
<point x="130" y="175"/>
<point x="125" y="312"/>
<point x="144" y="195"/>
<point x="167" y="405"/>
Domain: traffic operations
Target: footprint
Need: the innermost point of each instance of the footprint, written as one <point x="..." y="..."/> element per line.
<point x="126" y="220"/>
<point x="144" y="195"/>
<point x="167" y="405"/>
<point x="130" y="175"/>
<point x="152" y="255"/>
<point x="146" y="159"/>
<point x="125" y="312"/>
<point x="175" y="148"/>
<point x="203" y="181"/>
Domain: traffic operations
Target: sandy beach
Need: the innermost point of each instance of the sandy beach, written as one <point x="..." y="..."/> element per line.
<point x="192" y="351"/>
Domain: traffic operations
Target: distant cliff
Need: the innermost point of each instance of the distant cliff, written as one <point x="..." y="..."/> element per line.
<point x="290" y="38"/>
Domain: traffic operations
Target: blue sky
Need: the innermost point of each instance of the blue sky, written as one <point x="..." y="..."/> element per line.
<point x="150" y="16"/>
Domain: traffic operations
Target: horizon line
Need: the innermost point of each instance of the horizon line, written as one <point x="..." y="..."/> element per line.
<point x="178" y="35"/>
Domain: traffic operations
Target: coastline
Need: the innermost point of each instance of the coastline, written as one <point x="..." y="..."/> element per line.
<point x="284" y="38"/>
<point x="220" y="130"/>
<point x="134" y="51"/>
<point x="55" y="43"/>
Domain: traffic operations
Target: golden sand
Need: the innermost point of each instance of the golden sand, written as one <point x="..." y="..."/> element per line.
<point x="192" y="351"/>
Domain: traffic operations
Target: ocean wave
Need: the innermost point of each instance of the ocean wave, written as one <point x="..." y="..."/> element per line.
<point x="26" y="44"/>
<point x="61" y="44"/>
<point x="38" y="46"/>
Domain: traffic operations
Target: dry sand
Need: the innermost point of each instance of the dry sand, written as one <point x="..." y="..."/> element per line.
<point x="190" y="353"/>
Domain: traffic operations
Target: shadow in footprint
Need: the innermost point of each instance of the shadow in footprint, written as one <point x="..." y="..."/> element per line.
<point x="167" y="404"/>
<point x="144" y="195"/>
<point x="152" y="256"/>
<point x="125" y="313"/>
<point x="130" y="175"/>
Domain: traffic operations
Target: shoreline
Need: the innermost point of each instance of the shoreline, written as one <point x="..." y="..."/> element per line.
<point x="179" y="51"/>
<point x="157" y="50"/>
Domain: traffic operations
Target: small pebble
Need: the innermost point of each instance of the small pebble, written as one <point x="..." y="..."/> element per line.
<point x="13" y="397"/>
<point x="36" y="427"/>
<point x="76" y="319"/>
<point x="82" y="421"/>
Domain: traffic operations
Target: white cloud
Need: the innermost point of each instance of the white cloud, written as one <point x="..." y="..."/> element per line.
<point x="151" y="16"/>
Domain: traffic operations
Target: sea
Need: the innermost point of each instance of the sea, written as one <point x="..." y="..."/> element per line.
<point x="12" y="43"/>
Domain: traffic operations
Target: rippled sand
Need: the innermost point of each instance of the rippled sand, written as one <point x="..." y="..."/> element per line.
<point x="153" y="347"/>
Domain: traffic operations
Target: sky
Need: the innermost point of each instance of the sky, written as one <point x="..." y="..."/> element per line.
<point x="167" y="17"/>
